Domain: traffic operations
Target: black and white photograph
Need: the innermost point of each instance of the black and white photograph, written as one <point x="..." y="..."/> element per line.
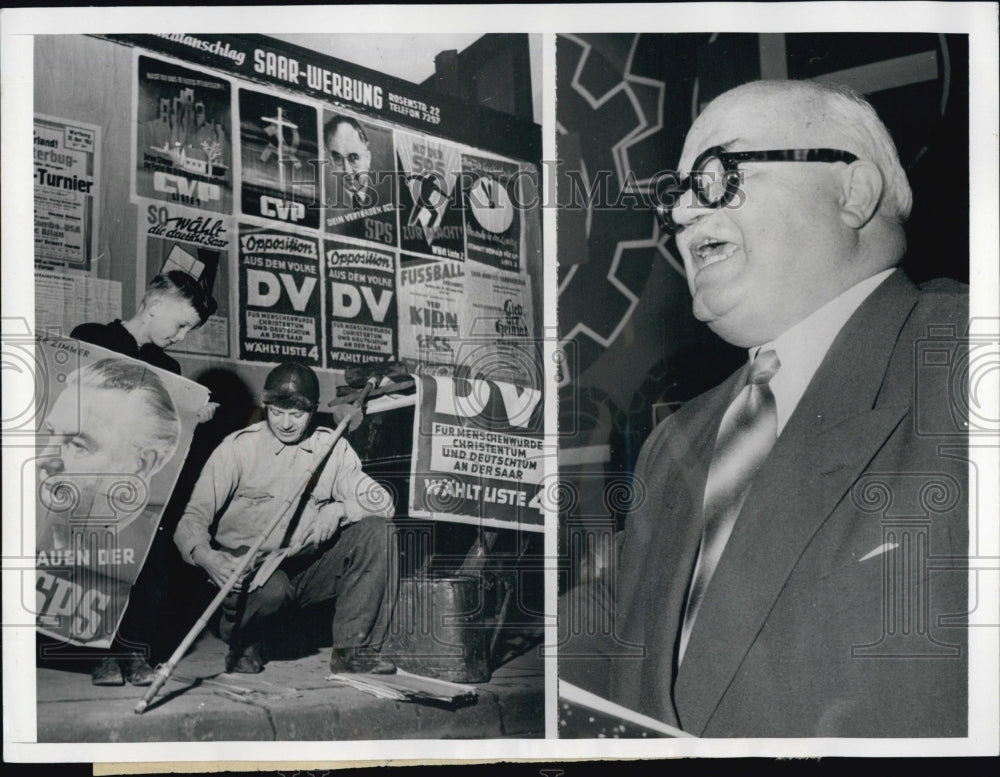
<point x="284" y="588"/>
<point x="517" y="386"/>
<point x="784" y="556"/>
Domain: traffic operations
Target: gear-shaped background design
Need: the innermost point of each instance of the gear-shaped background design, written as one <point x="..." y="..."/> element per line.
<point x="605" y="113"/>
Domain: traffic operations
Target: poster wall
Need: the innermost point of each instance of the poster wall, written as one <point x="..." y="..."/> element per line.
<point x="359" y="177"/>
<point x="329" y="80"/>
<point x="113" y="435"/>
<point x="278" y="150"/>
<point x="430" y="199"/>
<point x="183" y="131"/>
<point x="477" y="453"/>
<point x="66" y="184"/>
<point x="279" y="296"/>
<point x="362" y="304"/>
<point x="377" y="226"/>
<point x="176" y="238"/>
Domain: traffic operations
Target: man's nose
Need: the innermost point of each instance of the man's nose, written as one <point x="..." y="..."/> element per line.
<point x="686" y="208"/>
<point x="50" y="462"/>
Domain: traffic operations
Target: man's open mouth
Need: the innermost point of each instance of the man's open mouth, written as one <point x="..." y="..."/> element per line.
<point x="710" y="251"/>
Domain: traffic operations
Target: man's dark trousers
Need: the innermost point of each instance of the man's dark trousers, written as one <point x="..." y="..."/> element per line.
<point x="353" y="569"/>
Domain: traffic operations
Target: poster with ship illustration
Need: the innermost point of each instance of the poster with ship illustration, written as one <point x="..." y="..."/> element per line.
<point x="183" y="136"/>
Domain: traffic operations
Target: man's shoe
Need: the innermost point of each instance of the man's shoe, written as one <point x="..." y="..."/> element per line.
<point x="137" y="671"/>
<point x="353" y="661"/>
<point x="107" y="672"/>
<point x="245" y="659"/>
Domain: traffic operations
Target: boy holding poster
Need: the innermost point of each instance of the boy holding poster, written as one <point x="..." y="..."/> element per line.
<point x="174" y="305"/>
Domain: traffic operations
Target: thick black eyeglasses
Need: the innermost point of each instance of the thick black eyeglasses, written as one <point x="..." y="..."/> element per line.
<point x="715" y="177"/>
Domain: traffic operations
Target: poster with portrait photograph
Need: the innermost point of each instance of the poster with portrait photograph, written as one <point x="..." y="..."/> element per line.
<point x="280" y="292"/>
<point x="361" y="300"/>
<point x="278" y="150"/>
<point x="197" y="243"/>
<point x="359" y="179"/>
<point x="112" y="435"/>
<point x="430" y="199"/>
<point x="183" y="136"/>
<point x="492" y="212"/>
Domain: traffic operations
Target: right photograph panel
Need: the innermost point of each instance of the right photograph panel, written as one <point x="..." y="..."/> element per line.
<point x="764" y="411"/>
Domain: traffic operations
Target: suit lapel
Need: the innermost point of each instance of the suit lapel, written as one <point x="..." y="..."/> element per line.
<point x="834" y="432"/>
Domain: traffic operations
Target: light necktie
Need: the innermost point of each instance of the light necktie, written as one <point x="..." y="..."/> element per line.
<point x="746" y="435"/>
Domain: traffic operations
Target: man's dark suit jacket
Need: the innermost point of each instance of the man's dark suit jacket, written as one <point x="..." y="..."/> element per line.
<point x="837" y="606"/>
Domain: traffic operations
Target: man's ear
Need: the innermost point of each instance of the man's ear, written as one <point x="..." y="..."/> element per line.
<point x="152" y="304"/>
<point x="862" y="193"/>
<point x="148" y="460"/>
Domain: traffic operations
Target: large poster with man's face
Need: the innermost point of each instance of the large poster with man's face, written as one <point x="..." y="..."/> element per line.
<point x="113" y="433"/>
<point x="359" y="177"/>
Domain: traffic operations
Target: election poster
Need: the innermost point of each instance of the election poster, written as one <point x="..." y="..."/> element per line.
<point x="492" y="217"/>
<point x="278" y="150"/>
<point x="430" y="304"/>
<point x="197" y="243"/>
<point x="280" y="292"/>
<point x="183" y="136"/>
<point x="361" y="299"/>
<point x="66" y="169"/>
<point x="112" y="436"/>
<point x="359" y="179"/>
<point x="477" y="453"/>
<point x="496" y="326"/>
<point x="430" y="199"/>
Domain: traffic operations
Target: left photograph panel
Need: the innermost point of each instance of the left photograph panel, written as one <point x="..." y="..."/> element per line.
<point x="284" y="440"/>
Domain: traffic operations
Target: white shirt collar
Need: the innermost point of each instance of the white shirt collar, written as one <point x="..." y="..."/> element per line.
<point x="802" y="348"/>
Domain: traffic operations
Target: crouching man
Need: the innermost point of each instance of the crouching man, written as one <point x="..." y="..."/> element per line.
<point x="332" y="543"/>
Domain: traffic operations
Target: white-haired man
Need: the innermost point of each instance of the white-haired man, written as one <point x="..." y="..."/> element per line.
<point x="787" y="573"/>
<point x="114" y="422"/>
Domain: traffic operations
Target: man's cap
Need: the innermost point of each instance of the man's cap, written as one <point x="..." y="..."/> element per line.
<point x="292" y="385"/>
